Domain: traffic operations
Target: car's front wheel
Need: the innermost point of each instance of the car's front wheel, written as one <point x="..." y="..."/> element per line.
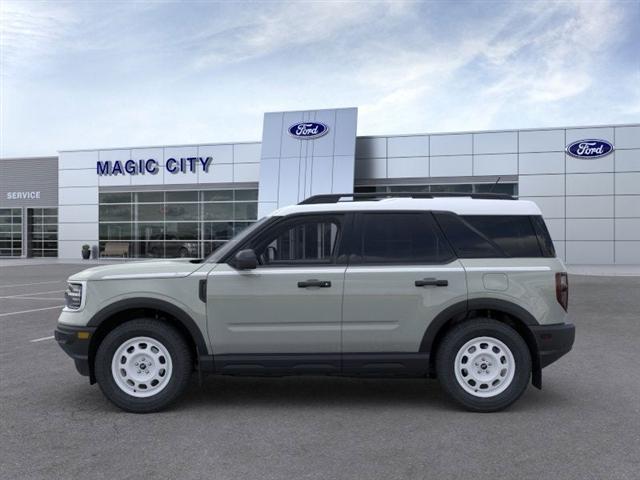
<point x="483" y="364"/>
<point x="143" y="365"/>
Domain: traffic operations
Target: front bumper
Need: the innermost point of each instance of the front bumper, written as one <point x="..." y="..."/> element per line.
<point x="75" y="342"/>
<point x="553" y="341"/>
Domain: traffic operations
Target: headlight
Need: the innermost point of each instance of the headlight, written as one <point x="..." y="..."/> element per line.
<point x="73" y="296"/>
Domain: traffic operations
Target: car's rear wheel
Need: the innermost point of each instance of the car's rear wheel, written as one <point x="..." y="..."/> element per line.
<point x="143" y="365"/>
<point x="484" y="365"/>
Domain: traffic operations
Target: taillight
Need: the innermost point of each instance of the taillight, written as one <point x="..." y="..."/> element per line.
<point x="562" y="289"/>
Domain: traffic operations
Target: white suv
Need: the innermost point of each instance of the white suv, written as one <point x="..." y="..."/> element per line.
<point x="467" y="289"/>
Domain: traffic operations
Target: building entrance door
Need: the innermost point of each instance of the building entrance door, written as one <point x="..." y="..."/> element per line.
<point x="10" y="232"/>
<point x="42" y="232"/>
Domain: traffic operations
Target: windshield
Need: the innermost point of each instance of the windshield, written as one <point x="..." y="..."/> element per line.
<point x="231" y="244"/>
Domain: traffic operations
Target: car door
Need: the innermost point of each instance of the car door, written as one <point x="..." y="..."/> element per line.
<point x="401" y="274"/>
<point x="289" y="308"/>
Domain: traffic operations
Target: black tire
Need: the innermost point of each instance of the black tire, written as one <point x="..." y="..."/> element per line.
<point x="455" y="339"/>
<point x="170" y="338"/>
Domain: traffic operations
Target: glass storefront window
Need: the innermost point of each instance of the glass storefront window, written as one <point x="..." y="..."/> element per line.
<point x="187" y="196"/>
<point x="507" y="188"/>
<point x="218" y="231"/>
<point x="452" y="188"/>
<point x="218" y="211"/>
<point x="150" y="231"/>
<point x="115" y="213"/>
<point x="181" y="211"/>
<point x="181" y="249"/>
<point x="181" y="231"/>
<point x="245" y="211"/>
<point x="173" y="223"/>
<point x="217" y="196"/>
<point x="409" y="188"/>
<point x="245" y="195"/>
<point x="115" y="231"/>
<point x="149" y="213"/>
<point x="239" y="227"/>
<point x="115" y="198"/>
<point x="150" y="197"/>
<point x="10" y="232"/>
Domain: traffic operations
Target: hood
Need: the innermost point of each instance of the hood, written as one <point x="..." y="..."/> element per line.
<point x="145" y="269"/>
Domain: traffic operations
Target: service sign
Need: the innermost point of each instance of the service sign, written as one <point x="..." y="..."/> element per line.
<point x="23" y="195"/>
<point x="308" y="130"/>
<point x="589" y="149"/>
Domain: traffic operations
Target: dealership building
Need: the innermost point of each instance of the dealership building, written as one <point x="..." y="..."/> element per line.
<point x="185" y="200"/>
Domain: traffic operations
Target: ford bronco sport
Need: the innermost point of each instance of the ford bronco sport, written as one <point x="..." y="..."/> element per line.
<point x="467" y="289"/>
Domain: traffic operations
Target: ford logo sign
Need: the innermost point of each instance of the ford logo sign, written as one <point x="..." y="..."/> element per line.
<point x="589" y="148"/>
<point x="308" y="130"/>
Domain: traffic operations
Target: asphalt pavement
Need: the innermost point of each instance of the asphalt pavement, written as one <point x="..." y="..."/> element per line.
<point x="584" y="423"/>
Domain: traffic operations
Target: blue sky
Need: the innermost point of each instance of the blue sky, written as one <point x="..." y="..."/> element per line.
<point x="103" y="74"/>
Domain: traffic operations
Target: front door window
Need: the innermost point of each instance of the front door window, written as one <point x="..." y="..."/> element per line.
<point x="300" y="242"/>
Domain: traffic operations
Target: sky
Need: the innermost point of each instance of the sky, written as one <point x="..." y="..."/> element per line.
<point x="96" y="74"/>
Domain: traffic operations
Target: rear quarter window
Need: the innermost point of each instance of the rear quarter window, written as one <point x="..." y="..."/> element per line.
<point x="467" y="241"/>
<point x="514" y="234"/>
<point x="493" y="236"/>
<point x="544" y="239"/>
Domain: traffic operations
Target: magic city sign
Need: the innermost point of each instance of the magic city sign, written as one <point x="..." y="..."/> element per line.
<point x="151" y="166"/>
<point x="589" y="148"/>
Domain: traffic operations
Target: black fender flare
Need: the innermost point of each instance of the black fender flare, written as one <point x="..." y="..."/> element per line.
<point x="154" y="304"/>
<point x="457" y="310"/>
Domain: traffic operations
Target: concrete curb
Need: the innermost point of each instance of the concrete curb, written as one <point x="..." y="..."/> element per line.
<point x="605" y="270"/>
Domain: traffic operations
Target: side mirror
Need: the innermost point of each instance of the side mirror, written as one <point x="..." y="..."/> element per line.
<point x="245" y="260"/>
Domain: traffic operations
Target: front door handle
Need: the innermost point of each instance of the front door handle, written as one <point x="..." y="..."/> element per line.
<point x="432" y="282"/>
<point x="314" y="283"/>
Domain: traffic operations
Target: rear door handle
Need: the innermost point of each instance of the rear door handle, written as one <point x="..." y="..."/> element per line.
<point x="314" y="283"/>
<point x="432" y="282"/>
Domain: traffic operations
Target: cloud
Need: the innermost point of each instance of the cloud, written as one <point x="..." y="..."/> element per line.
<point x="79" y="74"/>
<point x="534" y="57"/>
<point x="29" y="29"/>
<point x="299" y="28"/>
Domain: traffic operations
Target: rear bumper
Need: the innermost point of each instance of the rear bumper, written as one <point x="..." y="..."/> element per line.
<point x="75" y="346"/>
<point x="553" y="341"/>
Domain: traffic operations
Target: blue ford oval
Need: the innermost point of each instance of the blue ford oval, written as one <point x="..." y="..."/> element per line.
<point x="590" y="148"/>
<point x="308" y="130"/>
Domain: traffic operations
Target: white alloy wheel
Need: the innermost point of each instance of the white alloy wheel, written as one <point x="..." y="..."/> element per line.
<point x="141" y="367"/>
<point x="484" y="367"/>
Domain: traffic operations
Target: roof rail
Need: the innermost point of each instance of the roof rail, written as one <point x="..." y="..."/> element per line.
<point x="336" y="197"/>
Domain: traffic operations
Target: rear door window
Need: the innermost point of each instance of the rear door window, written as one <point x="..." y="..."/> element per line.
<point x="401" y="238"/>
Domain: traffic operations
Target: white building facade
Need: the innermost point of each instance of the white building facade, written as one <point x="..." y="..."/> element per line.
<point x="185" y="200"/>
